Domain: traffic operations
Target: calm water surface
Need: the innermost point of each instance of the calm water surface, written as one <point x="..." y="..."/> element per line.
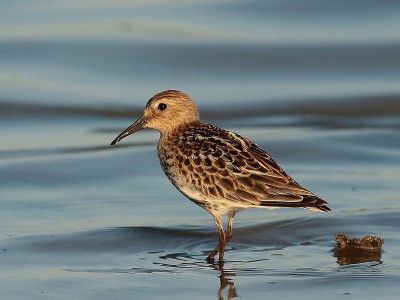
<point x="315" y="83"/>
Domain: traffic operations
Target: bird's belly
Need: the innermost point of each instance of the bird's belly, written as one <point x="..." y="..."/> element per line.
<point x="185" y="186"/>
<point x="193" y="191"/>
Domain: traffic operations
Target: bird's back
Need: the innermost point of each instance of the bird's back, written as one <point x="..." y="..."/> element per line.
<point x="221" y="170"/>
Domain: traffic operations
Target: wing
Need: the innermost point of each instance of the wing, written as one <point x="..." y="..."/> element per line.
<point x="226" y="165"/>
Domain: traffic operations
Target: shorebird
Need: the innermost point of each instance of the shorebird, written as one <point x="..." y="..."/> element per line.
<point x="219" y="170"/>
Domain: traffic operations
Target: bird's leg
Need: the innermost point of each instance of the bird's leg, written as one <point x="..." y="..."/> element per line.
<point x="226" y="235"/>
<point x="221" y="247"/>
<point x="222" y="243"/>
<point x="210" y="258"/>
<point x="229" y="230"/>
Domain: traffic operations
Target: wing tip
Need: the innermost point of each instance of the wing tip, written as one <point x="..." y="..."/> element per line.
<point x="322" y="208"/>
<point x="309" y="202"/>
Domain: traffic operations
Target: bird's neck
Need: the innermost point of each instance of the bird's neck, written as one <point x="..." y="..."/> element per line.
<point x="173" y="133"/>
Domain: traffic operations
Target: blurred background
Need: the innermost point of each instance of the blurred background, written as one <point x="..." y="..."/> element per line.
<point x="315" y="83"/>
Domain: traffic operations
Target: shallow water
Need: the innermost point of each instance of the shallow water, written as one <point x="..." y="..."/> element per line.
<point x="315" y="83"/>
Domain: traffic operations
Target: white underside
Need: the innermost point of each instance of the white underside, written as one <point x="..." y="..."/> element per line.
<point x="215" y="206"/>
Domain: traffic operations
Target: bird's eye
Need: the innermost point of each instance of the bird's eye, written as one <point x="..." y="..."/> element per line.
<point x="162" y="106"/>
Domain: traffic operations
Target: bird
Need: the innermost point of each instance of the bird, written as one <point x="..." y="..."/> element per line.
<point x="219" y="170"/>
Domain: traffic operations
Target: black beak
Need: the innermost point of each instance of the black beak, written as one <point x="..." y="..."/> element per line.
<point x="138" y="125"/>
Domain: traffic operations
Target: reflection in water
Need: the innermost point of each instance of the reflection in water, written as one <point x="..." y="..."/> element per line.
<point x="356" y="251"/>
<point x="351" y="256"/>
<point x="225" y="281"/>
<point x="225" y="277"/>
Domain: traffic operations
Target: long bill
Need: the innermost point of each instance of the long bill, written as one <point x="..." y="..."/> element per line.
<point x="138" y="125"/>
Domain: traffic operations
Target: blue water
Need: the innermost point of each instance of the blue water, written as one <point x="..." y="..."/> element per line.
<point x="315" y="83"/>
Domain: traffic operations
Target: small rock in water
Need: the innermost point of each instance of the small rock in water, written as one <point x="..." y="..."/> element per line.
<point x="355" y="251"/>
<point x="367" y="243"/>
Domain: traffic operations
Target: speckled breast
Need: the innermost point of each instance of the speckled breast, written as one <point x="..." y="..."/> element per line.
<point x="168" y="154"/>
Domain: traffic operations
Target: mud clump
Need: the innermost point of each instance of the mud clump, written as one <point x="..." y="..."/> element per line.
<point x="355" y="251"/>
<point x="367" y="243"/>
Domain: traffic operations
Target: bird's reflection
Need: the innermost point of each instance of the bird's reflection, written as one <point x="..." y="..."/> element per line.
<point x="225" y="279"/>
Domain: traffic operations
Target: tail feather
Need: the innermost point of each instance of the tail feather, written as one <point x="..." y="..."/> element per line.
<point x="309" y="202"/>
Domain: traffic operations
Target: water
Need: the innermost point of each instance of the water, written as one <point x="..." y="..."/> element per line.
<point x="315" y="83"/>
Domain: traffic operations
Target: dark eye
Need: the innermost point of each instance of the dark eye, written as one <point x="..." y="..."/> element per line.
<point x="162" y="106"/>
